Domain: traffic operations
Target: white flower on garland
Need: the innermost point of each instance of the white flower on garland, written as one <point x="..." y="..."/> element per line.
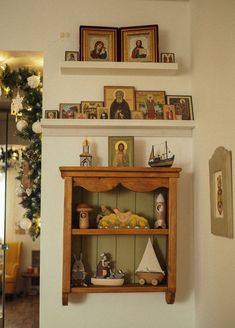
<point x="33" y="81"/>
<point x="16" y="104"/>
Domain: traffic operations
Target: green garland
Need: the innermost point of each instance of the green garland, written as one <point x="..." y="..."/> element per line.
<point x="13" y="81"/>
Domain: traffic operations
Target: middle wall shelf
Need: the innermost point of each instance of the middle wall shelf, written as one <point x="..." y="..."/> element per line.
<point x="102" y="128"/>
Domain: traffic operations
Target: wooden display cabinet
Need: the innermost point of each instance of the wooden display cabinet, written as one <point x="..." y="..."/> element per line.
<point x="132" y="188"/>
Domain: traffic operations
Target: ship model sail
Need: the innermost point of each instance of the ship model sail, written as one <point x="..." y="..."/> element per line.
<point x="149" y="269"/>
<point x="164" y="159"/>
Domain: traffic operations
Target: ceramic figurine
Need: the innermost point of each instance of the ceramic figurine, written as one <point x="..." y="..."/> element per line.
<point x="103" y="267"/>
<point x="104" y="211"/>
<point x="160" y="212"/>
<point x="85" y="157"/>
<point x="78" y="272"/>
<point x="105" y="275"/>
<point x="83" y="209"/>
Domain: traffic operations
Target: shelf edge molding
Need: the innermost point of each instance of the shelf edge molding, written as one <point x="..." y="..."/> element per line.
<point x="117" y="68"/>
<point x="102" y="128"/>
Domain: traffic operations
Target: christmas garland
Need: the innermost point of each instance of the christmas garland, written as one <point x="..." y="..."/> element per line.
<point x="24" y="88"/>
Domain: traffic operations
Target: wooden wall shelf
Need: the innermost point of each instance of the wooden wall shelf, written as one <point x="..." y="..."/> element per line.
<point x="103" y="128"/>
<point x="118" y="68"/>
<point x="131" y="186"/>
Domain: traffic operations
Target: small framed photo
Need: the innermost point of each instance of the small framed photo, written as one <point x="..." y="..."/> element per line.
<point x="120" y="101"/>
<point x="183" y="106"/>
<point x="121" y="151"/>
<point x="51" y="114"/>
<point x="98" y="43"/>
<point x="167" y="57"/>
<point x="89" y="108"/>
<point x="221" y="194"/>
<point x="81" y="116"/>
<point x="169" y="112"/>
<point x="103" y="113"/>
<point x="137" y="115"/>
<point x="70" y="110"/>
<point x="71" y="55"/>
<point x="150" y="103"/>
<point x="139" y="43"/>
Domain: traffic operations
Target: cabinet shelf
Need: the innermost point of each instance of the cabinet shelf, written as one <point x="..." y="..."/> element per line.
<point x="117" y="68"/>
<point x="126" y="288"/>
<point x="119" y="231"/>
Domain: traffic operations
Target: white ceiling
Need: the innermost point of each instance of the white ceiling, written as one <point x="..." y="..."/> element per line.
<point x="15" y="59"/>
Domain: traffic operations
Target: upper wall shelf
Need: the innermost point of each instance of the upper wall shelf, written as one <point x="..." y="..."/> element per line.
<point x="117" y="68"/>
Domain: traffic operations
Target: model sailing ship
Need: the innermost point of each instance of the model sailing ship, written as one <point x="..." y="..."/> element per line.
<point x="164" y="159"/>
<point x="149" y="270"/>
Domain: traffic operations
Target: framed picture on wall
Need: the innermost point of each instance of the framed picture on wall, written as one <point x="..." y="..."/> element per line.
<point x="69" y="110"/>
<point x="221" y="195"/>
<point x="183" y="106"/>
<point x="71" y="55"/>
<point x="121" y="151"/>
<point x="151" y="103"/>
<point x="98" y="43"/>
<point x="51" y="114"/>
<point x="120" y="100"/>
<point x="167" y="57"/>
<point x="90" y="108"/>
<point x="139" y="43"/>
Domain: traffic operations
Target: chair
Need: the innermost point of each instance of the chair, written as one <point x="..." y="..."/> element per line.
<point x="12" y="266"/>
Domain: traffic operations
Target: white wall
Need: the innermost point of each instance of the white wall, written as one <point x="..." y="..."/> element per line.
<point x="40" y="31"/>
<point x="213" y="89"/>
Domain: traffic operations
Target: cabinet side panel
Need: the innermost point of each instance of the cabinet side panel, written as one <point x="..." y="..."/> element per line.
<point x="67" y="234"/>
<point x="125" y="257"/>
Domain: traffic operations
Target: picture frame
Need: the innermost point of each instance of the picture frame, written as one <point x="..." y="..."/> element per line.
<point x="103" y="113"/>
<point x="51" y="114"/>
<point x="167" y="57"/>
<point x="137" y="115"/>
<point x="120" y="100"/>
<point x="71" y="55"/>
<point x="139" y="43"/>
<point x="98" y="43"/>
<point x="69" y="110"/>
<point x="221" y="193"/>
<point x="183" y="106"/>
<point x="169" y="112"/>
<point x="151" y="103"/>
<point x="89" y="108"/>
<point x="120" y="151"/>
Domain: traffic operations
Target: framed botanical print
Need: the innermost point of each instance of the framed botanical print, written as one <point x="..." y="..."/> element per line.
<point x="183" y="106"/>
<point x="221" y="194"/>
<point x="139" y="43"/>
<point x="121" y="151"/>
<point x="120" y="100"/>
<point x="98" y="43"/>
<point x="150" y="103"/>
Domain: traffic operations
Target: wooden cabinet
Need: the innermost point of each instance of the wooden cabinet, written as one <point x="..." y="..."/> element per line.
<point x="132" y="188"/>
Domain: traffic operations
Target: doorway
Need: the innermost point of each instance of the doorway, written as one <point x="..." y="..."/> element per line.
<point x="19" y="306"/>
